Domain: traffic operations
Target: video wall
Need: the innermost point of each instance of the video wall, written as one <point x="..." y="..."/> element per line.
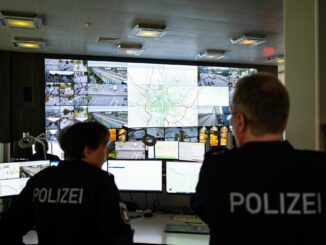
<point x="158" y="99"/>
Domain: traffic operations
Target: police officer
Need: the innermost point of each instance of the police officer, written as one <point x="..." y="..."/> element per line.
<point x="265" y="191"/>
<point x="74" y="203"/>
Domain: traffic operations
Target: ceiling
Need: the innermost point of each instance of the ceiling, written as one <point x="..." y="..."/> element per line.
<point x="193" y="26"/>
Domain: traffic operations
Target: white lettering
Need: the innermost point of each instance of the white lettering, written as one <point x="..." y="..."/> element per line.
<point x="234" y="202"/>
<point x="65" y="192"/>
<point x="319" y="202"/>
<point x="282" y="203"/>
<point x="73" y="195"/>
<point x="36" y="193"/>
<point x="296" y="197"/>
<point x="43" y="195"/>
<point x="266" y="206"/>
<point x="58" y="195"/>
<point x="81" y="195"/>
<point x="290" y="203"/>
<point x="49" y="196"/>
<point x="306" y="203"/>
<point x="250" y="197"/>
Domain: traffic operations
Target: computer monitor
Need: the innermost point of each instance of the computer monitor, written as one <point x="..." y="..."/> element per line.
<point x="54" y="163"/>
<point x="130" y="150"/>
<point x="105" y="166"/>
<point x="14" y="175"/>
<point x="166" y="150"/>
<point x="189" y="151"/>
<point x="56" y="150"/>
<point x="182" y="177"/>
<point x="137" y="175"/>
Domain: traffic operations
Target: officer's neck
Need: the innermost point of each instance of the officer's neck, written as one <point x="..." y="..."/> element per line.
<point x="265" y="137"/>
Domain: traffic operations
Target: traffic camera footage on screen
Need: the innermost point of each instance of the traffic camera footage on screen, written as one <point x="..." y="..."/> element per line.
<point x="136" y="95"/>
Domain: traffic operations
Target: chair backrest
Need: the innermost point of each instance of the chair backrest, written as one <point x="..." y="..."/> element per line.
<point x="21" y="154"/>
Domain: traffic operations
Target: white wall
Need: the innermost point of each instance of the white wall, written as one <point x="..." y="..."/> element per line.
<point x="301" y="77"/>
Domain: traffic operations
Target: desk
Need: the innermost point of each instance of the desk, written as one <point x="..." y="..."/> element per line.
<point x="151" y="231"/>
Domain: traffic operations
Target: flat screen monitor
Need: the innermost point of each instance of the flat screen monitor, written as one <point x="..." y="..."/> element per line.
<point x="14" y="175"/>
<point x="166" y="150"/>
<point x="189" y="151"/>
<point x="136" y="175"/>
<point x="54" y="163"/>
<point x="56" y="150"/>
<point x="182" y="177"/>
<point x="130" y="150"/>
<point x="105" y="166"/>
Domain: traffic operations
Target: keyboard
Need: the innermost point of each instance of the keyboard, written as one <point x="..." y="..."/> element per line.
<point x="187" y="228"/>
<point x="187" y="219"/>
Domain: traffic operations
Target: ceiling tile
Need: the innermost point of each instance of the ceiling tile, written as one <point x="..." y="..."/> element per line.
<point x="96" y="17"/>
<point x="139" y="6"/>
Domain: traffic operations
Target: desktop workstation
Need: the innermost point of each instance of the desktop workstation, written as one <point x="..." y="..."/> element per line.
<point x="130" y="176"/>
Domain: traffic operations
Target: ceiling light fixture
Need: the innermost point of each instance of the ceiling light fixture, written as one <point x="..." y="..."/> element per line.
<point x="20" y="20"/>
<point x="148" y="31"/>
<point x="130" y="49"/>
<point x="279" y="59"/>
<point x="211" y="54"/>
<point x="249" y="39"/>
<point x="109" y="40"/>
<point x="25" y="43"/>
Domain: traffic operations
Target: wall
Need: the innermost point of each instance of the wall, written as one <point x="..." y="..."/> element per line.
<point x="4" y="97"/>
<point x="322" y="73"/>
<point x="21" y="95"/>
<point x="301" y="77"/>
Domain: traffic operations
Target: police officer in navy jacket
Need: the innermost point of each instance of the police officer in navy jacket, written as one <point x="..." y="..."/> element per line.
<point x="74" y="203"/>
<point x="265" y="191"/>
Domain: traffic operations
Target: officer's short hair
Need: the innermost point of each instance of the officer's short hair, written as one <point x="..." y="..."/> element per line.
<point x="75" y="138"/>
<point x="39" y="147"/>
<point x="264" y="101"/>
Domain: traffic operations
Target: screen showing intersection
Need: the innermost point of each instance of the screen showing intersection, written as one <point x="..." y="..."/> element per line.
<point x="133" y="95"/>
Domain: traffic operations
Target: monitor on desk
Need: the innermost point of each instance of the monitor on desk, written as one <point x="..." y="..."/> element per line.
<point x="137" y="175"/>
<point x="14" y="175"/>
<point x="182" y="177"/>
<point x="166" y="150"/>
<point x="189" y="151"/>
<point x="130" y="150"/>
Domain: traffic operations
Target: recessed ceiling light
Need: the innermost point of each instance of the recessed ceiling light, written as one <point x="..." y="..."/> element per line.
<point x="148" y="31"/>
<point x="21" y="20"/>
<point x="279" y="59"/>
<point x="25" y="43"/>
<point x="130" y="49"/>
<point x="109" y="40"/>
<point x="249" y="39"/>
<point x="212" y="54"/>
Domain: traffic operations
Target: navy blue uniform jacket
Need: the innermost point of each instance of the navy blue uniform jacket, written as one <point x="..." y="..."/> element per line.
<point x="74" y="203"/>
<point x="263" y="193"/>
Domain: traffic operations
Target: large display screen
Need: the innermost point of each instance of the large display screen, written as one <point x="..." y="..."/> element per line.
<point x="136" y="175"/>
<point x="14" y="175"/>
<point x="189" y="151"/>
<point x="136" y="95"/>
<point x="166" y="150"/>
<point x="182" y="177"/>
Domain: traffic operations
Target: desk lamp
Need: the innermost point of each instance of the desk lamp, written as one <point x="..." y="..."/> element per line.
<point x="28" y="140"/>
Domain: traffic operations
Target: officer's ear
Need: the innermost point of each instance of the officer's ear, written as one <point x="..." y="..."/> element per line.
<point x="87" y="151"/>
